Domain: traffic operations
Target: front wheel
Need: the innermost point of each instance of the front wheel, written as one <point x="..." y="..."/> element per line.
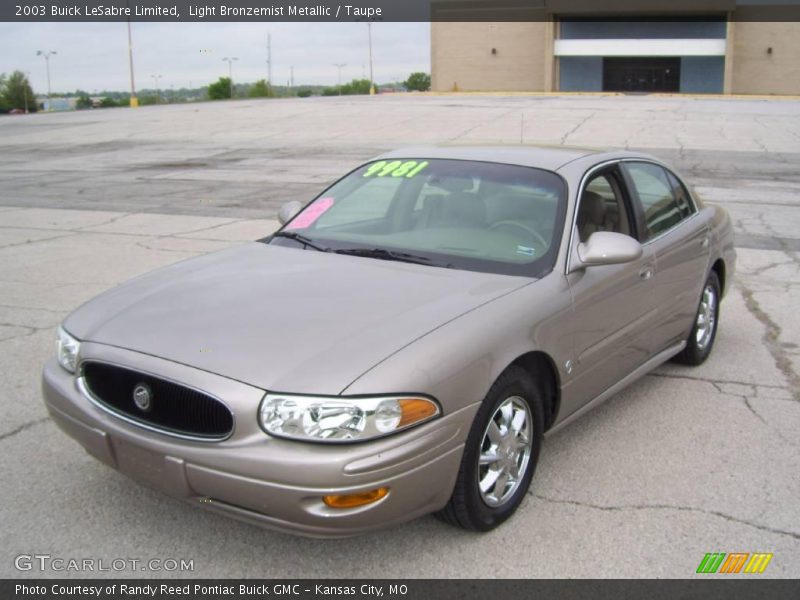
<point x="500" y="455"/>
<point x="704" y="331"/>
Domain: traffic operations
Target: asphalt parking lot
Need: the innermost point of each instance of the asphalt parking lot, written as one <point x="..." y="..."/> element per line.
<point x="684" y="462"/>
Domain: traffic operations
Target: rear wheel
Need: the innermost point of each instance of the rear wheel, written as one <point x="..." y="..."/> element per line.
<point x="704" y="331"/>
<point x="500" y="455"/>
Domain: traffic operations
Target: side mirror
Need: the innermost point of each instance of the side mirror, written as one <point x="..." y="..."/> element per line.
<point x="288" y="211"/>
<point x="607" y="248"/>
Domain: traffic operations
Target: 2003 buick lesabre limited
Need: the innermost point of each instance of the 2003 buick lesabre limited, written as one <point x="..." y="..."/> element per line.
<point x="403" y="343"/>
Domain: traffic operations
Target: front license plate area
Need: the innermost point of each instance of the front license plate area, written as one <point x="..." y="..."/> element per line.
<point x="141" y="464"/>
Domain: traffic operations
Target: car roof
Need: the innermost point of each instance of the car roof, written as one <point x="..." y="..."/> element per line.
<point x="550" y="158"/>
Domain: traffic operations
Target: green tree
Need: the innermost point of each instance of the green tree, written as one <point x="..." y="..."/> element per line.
<point x="304" y="93"/>
<point x="221" y="89"/>
<point x="357" y="86"/>
<point x="109" y="102"/>
<point x="261" y="89"/>
<point x="17" y="92"/>
<point x="83" y="102"/>
<point x="4" y="107"/>
<point x="419" y="82"/>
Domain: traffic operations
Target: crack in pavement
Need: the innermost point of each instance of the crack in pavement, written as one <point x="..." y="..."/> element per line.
<point x="85" y="228"/>
<point x="771" y="339"/>
<point x="47" y="239"/>
<point x="755" y="413"/>
<point x="208" y="228"/>
<point x="50" y="310"/>
<point x="469" y="130"/>
<point x="23" y="427"/>
<point x="744" y="398"/>
<point x="144" y="246"/>
<point x="784" y="243"/>
<point x="111" y="220"/>
<point x="624" y="507"/>
<point x="717" y="382"/>
<point x="30" y="330"/>
<point x="182" y="235"/>
<point x="769" y="266"/>
<point x="576" y="128"/>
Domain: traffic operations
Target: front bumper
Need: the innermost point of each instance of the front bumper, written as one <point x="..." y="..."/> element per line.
<point x="254" y="477"/>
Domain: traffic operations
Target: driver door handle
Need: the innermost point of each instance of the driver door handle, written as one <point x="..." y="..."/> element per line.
<point x="646" y="273"/>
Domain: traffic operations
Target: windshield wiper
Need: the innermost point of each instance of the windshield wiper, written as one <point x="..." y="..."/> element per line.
<point x="384" y="254"/>
<point x="308" y="242"/>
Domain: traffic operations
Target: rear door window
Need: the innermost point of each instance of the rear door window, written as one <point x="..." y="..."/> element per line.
<point x="681" y="196"/>
<point x="662" y="210"/>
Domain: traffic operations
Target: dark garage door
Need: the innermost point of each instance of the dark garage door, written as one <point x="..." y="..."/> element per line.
<point x="641" y="74"/>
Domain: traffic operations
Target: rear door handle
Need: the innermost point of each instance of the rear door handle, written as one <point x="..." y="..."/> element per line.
<point x="704" y="243"/>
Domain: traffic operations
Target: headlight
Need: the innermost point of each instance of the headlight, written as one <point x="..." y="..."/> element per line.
<point x="67" y="348"/>
<point x="339" y="419"/>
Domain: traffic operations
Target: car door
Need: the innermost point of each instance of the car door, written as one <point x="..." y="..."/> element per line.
<point x="613" y="305"/>
<point x="678" y="236"/>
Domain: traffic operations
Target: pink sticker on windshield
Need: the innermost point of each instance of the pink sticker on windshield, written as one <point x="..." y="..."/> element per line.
<point x="311" y="214"/>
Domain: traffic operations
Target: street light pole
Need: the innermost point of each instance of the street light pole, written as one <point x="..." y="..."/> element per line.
<point x="269" y="59"/>
<point x="47" y="56"/>
<point x="156" y="78"/>
<point x="230" y="70"/>
<point x="25" y="90"/>
<point x="339" y="75"/>
<point x="371" y="80"/>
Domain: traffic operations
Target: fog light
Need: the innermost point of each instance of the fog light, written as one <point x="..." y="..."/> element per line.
<point x="353" y="500"/>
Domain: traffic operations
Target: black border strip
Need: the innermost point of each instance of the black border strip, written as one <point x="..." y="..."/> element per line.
<point x="740" y="587"/>
<point x="386" y="10"/>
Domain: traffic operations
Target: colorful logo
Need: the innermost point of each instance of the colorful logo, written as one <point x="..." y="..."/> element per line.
<point x="736" y="562"/>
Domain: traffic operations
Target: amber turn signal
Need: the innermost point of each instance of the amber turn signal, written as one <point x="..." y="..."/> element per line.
<point x="415" y="409"/>
<point x="353" y="500"/>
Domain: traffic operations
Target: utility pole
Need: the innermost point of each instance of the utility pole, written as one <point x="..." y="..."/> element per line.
<point x="230" y="70"/>
<point x="134" y="102"/>
<point x="47" y="56"/>
<point x="291" y="79"/>
<point x="339" y="75"/>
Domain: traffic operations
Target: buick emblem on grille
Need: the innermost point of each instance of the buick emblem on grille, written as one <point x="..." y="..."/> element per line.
<point x="143" y="397"/>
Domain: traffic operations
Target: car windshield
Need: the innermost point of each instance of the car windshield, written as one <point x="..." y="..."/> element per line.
<point x="468" y="215"/>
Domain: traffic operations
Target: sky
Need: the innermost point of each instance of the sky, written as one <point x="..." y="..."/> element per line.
<point x="94" y="56"/>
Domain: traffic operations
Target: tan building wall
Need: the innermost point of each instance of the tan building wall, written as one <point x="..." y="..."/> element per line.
<point x="754" y="69"/>
<point x="462" y="58"/>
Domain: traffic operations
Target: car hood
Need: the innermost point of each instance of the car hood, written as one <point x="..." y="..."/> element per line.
<point x="282" y="318"/>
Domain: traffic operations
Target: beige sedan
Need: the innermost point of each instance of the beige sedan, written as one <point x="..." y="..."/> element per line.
<point x="402" y="345"/>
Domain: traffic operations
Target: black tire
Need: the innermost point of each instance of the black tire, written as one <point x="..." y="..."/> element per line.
<point x="699" y="346"/>
<point x="468" y="508"/>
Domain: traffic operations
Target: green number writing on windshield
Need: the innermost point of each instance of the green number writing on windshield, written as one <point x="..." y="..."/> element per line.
<point x="395" y="168"/>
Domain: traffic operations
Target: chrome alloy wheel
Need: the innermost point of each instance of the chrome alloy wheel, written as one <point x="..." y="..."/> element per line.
<point x="505" y="451"/>
<point x="706" y="318"/>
